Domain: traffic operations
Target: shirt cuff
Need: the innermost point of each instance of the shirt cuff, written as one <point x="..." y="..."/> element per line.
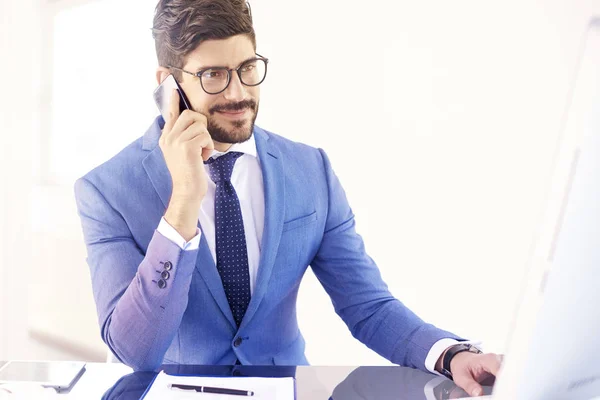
<point x="436" y="352"/>
<point x="171" y="233"/>
<point x="438" y="349"/>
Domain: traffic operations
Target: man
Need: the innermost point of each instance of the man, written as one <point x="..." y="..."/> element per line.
<point x="198" y="233"/>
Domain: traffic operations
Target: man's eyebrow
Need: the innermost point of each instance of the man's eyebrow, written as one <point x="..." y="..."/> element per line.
<point x="200" y="68"/>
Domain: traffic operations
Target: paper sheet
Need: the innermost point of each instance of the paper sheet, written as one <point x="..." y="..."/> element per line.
<point x="263" y="388"/>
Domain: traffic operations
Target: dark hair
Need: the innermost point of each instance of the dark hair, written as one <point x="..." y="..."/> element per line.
<point x="181" y="25"/>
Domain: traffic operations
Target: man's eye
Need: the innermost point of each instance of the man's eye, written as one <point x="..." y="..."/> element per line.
<point x="213" y="74"/>
<point x="249" y="67"/>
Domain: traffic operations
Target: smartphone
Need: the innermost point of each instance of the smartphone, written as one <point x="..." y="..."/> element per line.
<point x="163" y="93"/>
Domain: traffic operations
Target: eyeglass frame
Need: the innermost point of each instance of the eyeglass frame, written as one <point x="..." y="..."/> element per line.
<point x="229" y="71"/>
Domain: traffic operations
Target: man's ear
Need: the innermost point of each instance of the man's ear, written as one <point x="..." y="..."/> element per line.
<point x="161" y="74"/>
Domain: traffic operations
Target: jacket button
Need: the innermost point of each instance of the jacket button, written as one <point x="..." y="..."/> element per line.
<point x="168" y="266"/>
<point x="237" y="342"/>
<point x="165" y="275"/>
<point x="162" y="284"/>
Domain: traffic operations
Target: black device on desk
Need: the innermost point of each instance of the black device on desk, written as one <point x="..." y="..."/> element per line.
<point x="52" y="374"/>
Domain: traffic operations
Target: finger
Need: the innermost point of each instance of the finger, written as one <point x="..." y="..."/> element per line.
<point x="491" y="363"/>
<point x="208" y="150"/>
<point x="173" y="111"/>
<point x="195" y="129"/>
<point x="468" y="384"/>
<point x="184" y="121"/>
<point x="207" y="145"/>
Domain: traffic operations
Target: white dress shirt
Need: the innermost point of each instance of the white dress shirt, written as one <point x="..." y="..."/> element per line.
<point x="247" y="180"/>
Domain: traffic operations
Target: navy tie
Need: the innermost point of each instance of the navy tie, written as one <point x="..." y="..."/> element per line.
<point x="232" y="255"/>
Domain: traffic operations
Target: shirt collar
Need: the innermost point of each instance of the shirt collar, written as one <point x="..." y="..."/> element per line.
<point x="247" y="147"/>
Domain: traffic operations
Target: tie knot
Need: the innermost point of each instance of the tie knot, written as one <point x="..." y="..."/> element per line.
<point x="220" y="168"/>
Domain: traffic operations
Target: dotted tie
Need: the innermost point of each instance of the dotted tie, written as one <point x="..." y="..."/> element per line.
<point x="232" y="255"/>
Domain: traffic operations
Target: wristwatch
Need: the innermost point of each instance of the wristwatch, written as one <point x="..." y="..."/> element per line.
<point x="451" y="352"/>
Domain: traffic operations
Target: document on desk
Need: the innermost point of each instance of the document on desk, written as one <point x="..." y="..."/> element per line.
<point x="261" y="388"/>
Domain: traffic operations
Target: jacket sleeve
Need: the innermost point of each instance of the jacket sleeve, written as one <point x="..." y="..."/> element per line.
<point x="138" y="315"/>
<point x="359" y="294"/>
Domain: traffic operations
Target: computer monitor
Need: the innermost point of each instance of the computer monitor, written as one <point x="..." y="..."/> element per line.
<point x="554" y="347"/>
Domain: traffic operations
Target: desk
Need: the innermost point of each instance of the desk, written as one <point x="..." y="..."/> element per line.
<point x="118" y="382"/>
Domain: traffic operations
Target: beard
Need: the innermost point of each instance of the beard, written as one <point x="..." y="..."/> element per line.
<point x="241" y="130"/>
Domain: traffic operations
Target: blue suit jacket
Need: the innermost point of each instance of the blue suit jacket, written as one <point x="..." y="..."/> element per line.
<point x="308" y="222"/>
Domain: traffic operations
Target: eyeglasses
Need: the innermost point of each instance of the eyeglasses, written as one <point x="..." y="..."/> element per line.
<point x="215" y="80"/>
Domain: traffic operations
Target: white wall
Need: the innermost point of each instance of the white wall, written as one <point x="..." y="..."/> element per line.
<point x="444" y="156"/>
<point x="18" y="107"/>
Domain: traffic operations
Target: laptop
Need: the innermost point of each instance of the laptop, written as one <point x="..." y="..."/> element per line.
<point x="554" y="346"/>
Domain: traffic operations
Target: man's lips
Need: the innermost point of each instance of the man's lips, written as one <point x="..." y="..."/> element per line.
<point x="233" y="114"/>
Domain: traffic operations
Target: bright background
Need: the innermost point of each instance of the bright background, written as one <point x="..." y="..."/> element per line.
<point x="440" y="118"/>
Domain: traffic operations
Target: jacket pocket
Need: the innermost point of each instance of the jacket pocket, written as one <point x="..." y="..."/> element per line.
<point x="300" y="221"/>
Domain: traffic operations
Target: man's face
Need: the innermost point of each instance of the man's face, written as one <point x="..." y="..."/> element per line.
<point x="231" y="113"/>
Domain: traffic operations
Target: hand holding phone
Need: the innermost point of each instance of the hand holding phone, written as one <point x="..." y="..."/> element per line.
<point x="185" y="143"/>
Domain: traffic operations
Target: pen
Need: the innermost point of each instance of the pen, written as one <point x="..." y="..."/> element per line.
<point x="208" y="389"/>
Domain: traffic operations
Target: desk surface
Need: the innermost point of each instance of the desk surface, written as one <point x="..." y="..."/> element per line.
<point x="118" y="382"/>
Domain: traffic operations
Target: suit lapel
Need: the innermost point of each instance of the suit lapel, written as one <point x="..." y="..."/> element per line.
<point x="156" y="168"/>
<point x="274" y="186"/>
<point x="154" y="163"/>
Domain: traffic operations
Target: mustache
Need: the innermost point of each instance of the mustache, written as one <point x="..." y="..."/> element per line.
<point x="242" y="105"/>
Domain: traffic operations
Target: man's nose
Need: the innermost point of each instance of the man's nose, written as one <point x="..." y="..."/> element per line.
<point x="236" y="90"/>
